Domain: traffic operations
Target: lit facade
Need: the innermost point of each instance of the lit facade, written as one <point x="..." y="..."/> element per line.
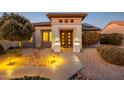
<point x="63" y="31"/>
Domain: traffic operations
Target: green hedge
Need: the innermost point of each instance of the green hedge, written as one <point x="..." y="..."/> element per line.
<point x="1" y="50"/>
<point x="14" y="52"/>
<point x="112" y="39"/>
<point x="112" y="54"/>
<point x="30" y="78"/>
<point x="90" y="38"/>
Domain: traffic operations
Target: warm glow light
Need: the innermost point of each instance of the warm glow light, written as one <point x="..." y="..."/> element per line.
<point x="31" y="39"/>
<point x="45" y="36"/>
<point x="20" y="44"/>
<point x="76" y="59"/>
<point x="57" y="39"/>
<point x="76" y="43"/>
<point x="10" y="63"/>
<point x="52" y="61"/>
<point x="57" y="43"/>
<point x="50" y="36"/>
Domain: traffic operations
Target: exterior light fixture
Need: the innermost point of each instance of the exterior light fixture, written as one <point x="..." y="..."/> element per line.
<point x="57" y="39"/>
<point x="76" y="43"/>
<point x="57" y="43"/>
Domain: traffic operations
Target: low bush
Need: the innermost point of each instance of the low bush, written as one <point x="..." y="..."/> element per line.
<point x="14" y="52"/>
<point x="90" y="38"/>
<point x="112" y="39"/>
<point x="112" y="54"/>
<point x="1" y="50"/>
<point x="30" y="78"/>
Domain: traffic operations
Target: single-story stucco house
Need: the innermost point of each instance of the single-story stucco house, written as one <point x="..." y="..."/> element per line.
<point x="114" y="27"/>
<point x="62" y="31"/>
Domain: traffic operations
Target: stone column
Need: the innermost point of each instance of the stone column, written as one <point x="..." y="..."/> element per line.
<point x="55" y="39"/>
<point x="77" y="45"/>
<point x="37" y="39"/>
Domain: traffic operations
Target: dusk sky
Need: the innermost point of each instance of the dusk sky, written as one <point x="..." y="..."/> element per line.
<point x="99" y="19"/>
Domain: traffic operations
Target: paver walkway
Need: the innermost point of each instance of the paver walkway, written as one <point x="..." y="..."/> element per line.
<point x="96" y="68"/>
<point x="69" y="66"/>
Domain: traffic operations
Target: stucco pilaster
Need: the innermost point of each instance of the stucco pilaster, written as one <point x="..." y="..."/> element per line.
<point x="37" y="38"/>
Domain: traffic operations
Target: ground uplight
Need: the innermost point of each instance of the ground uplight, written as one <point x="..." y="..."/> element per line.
<point x="10" y="63"/>
<point x="52" y="61"/>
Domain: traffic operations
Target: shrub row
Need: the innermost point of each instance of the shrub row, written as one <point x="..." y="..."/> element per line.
<point x="30" y="78"/>
<point x="14" y="52"/>
<point x="89" y="37"/>
<point x="112" y="54"/>
<point x="112" y="39"/>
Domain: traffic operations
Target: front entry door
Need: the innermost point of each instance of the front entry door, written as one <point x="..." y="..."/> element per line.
<point x="66" y="38"/>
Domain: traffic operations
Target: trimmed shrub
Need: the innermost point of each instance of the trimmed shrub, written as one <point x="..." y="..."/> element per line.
<point x="30" y="78"/>
<point x="1" y="50"/>
<point x="112" y="54"/>
<point x="112" y="39"/>
<point x="14" y="52"/>
<point x="90" y="38"/>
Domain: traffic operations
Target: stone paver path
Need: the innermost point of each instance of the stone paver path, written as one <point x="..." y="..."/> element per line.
<point x="69" y="66"/>
<point x="96" y="68"/>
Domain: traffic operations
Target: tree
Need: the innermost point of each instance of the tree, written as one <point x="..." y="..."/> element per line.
<point x="14" y="27"/>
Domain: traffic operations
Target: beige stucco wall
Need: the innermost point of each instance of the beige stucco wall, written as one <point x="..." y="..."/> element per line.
<point x="37" y="35"/>
<point x="77" y="30"/>
<point x="42" y="28"/>
<point x="113" y="28"/>
<point x="55" y="21"/>
<point x="37" y="38"/>
<point x="7" y="44"/>
<point x="76" y="27"/>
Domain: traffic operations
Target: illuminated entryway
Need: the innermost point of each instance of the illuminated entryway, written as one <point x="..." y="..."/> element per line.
<point x="66" y="38"/>
<point x="66" y="32"/>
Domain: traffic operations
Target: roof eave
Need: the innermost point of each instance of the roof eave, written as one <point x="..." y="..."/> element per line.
<point x="57" y="15"/>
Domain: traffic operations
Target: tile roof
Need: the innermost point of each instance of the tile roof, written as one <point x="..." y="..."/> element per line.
<point x="121" y="23"/>
<point x="85" y="26"/>
<point x="89" y="27"/>
<point x="56" y="15"/>
<point x="117" y="22"/>
<point x="42" y="24"/>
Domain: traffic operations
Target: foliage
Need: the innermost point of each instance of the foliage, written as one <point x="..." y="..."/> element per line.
<point x="30" y="78"/>
<point x="90" y="38"/>
<point x="14" y="52"/>
<point x="112" y="39"/>
<point x="15" y="27"/>
<point x="112" y="54"/>
<point x="1" y="50"/>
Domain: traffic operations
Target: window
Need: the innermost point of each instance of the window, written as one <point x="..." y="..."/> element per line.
<point x="66" y="20"/>
<point x="45" y="36"/>
<point x="72" y="21"/>
<point x="60" y="21"/>
<point x="50" y="36"/>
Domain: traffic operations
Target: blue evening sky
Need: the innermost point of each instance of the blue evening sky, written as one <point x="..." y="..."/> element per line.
<point x="99" y="19"/>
